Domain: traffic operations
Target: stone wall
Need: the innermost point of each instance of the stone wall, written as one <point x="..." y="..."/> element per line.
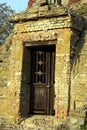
<point x="43" y="28"/>
<point x="62" y="41"/>
<point x="5" y="52"/>
<point x="65" y="2"/>
<point x="62" y="73"/>
<point x="79" y="73"/>
<point x="58" y="29"/>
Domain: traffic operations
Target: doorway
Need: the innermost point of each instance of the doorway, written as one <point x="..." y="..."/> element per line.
<point x="42" y="80"/>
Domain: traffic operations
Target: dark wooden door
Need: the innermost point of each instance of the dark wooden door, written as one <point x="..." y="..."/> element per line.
<point x="42" y="80"/>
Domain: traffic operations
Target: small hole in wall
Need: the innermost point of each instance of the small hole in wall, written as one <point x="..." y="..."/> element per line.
<point x="1" y="61"/>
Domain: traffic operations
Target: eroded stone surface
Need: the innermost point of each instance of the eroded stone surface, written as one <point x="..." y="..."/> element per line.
<point x="45" y="26"/>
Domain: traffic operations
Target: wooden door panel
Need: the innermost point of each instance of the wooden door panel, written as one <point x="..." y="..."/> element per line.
<point x="42" y="80"/>
<point x="39" y="98"/>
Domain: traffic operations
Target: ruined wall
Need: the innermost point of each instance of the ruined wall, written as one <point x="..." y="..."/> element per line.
<point x="79" y="73"/>
<point x="62" y="73"/>
<point x="5" y="53"/>
<point x="62" y="47"/>
<point x="52" y="30"/>
<point x="42" y="28"/>
<point x="66" y="2"/>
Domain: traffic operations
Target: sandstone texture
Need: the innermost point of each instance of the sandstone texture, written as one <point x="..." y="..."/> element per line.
<point x="45" y="25"/>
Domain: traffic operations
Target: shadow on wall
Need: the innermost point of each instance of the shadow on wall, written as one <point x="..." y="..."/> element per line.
<point x="77" y="43"/>
<point x="76" y="46"/>
<point x="25" y="83"/>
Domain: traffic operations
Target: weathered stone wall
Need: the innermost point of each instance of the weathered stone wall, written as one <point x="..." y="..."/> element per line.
<point x="5" y="53"/>
<point x="79" y="72"/>
<point x="45" y="28"/>
<point x="62" y="73"/>
<point x="61" y="68"/>
<point x="56" y="29"/>
<point x="65" y="2"/>
<point x="83" y="1"/>
<point x="15" y="86"/>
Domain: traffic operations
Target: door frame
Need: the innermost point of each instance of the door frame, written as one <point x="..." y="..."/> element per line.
<point x="50" y="80"/>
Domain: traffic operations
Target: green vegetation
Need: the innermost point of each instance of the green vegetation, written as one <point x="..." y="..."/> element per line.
<point x="84" y="127"/>
<point x="5" y="26"/>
